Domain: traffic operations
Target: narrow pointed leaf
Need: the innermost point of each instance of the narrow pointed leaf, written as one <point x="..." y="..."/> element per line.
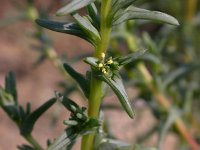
<point x="29" y="122"/>
<point x="9" y="105"/>
<point x="25" y="147"/>
<point x="68" y="103"/>
<point x="121" y="4"/>
<point x="93" y="13"/>
<point x="91" y="61"/>
<point x="126" y="3"/>
<point x="117" y="86"/>
<point x="68" y="28"/>
<point x="79" y="78"/>
<point x="73" y="6"/>
<point x="10" y="85"/>
<point x="130" y="57"/>
<point x="87" y="27"/>
<point x="138" y="13"/>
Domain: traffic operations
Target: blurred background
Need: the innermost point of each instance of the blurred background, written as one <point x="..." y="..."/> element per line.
<point x="163" y="86"/>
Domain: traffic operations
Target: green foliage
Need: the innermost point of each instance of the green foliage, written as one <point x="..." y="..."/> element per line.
<point x="124" y="60"/>
<point x="79" y="78"/>
<point x="79" y="124"/>
<point x="138" y="13"/>
<point x="68" y="28"/>
<point x="117" y="86"/>
<point x="10" y="85"/>
<point x="93" y="16"/>
<point x="104" y="70"/>
<point x="24" y="119"/>
<point x="112" y="77"/>
<point x="25" y="147"/>
<point x="73" y="6"/>
<point x="72" y="133"/>
<point x="30" y="119"/>
<point x="88" y="28"/>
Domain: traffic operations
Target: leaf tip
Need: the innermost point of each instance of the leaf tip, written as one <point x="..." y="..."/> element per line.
<point x="131" y="114"/>
<point x="176" y="22"/>
<point x="40" y="22"/>
<point x="37" y="21"/>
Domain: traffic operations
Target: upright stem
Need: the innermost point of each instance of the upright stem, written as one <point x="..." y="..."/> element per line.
<point x="105" y="28"/>
<point x="96" y="88"/>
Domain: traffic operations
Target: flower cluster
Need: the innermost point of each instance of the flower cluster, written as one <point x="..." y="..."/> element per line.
<point x="107" y="65"/>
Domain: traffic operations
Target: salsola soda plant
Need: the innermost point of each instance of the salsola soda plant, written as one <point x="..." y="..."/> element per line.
<point x="95" y="26"/>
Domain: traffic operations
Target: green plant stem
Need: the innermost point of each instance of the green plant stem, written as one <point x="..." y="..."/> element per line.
<point x="33" y="142"/>
<point x="105" y="28"/>
<point x="96" y="94"/>
<point x="96" y="86"/>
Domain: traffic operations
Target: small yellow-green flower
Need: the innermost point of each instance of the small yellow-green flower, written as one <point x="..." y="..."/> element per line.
<point x="109" y="62"/>
<point x="104" y="70"/>
<point x="103" y="55"/>
<point x="100" y="65"/>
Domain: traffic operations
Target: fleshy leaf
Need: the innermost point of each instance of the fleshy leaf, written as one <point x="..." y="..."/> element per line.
<point x="117" y="86"/>
<point x="73" y="6"/>
<point x="138" y="13"/>
<point x="79" y="78"/>
<point x="68" y="28"/>
<point x="29" y="122"/>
